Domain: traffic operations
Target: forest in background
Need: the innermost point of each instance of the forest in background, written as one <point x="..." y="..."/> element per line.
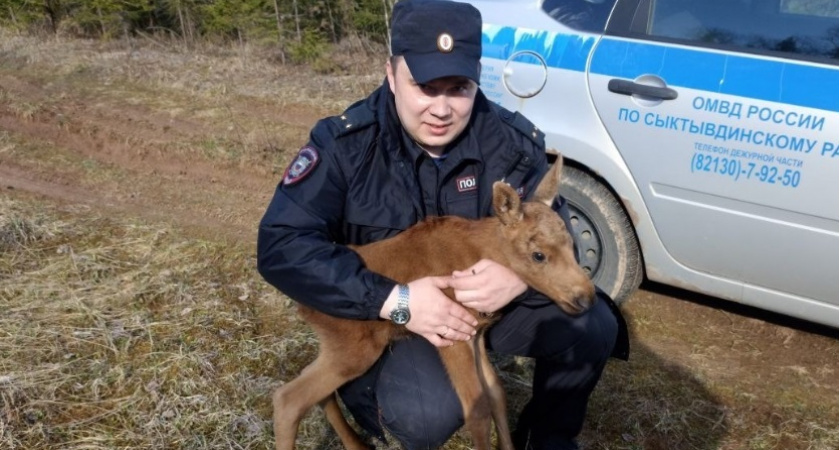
<point x="300" y="31"/>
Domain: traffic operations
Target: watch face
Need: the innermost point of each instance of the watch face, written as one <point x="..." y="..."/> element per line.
<point x="400" y="316"/>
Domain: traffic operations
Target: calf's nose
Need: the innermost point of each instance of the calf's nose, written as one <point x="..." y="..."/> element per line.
<point x="585" y="298"/>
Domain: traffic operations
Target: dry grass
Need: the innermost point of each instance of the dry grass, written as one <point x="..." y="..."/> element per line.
<point x="214" y="72"/>
<point x="121" y="335"/>
<point x="118" y="334"/>
<point x="217" y="85"/>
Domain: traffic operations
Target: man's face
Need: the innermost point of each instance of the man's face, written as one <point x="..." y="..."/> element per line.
<point x="435" y="113"/>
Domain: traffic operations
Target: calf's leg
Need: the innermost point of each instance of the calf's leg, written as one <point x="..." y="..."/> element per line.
<point x="496" y="392"/>
<point x="460" y="364"/>
<point x="334" y="366"/>
<point x="348" y="436"/>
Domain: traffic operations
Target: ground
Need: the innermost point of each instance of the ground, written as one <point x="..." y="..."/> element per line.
<point x="198" y="140"/>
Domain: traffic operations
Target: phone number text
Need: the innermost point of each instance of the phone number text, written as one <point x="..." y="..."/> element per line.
<point x="737" y="169"/>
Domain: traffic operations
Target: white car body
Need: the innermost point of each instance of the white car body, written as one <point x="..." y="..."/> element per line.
<point x="723" y="157"/>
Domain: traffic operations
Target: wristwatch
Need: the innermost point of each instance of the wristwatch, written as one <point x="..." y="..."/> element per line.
<point x="400" y="315"/>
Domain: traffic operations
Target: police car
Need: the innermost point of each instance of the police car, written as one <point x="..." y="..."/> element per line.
<point x="700" y="138"/>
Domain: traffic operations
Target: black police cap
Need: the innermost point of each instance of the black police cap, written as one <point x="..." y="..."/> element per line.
<point x="437" y="38"/>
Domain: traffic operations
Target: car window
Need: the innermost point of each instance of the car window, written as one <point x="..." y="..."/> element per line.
<point x="803" y="28"/>
<point x="583" y="15"/>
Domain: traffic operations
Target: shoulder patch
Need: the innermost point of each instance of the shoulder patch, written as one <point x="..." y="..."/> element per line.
<point x="303" y="164"/>
<point x="524" y="126"/>
<point x="356" y="117"/>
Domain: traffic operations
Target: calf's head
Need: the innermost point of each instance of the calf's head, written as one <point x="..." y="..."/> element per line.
<point x="538" y="246"/>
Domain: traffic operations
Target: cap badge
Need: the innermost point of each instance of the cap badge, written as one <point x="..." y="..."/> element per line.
<point x="445" y="43"/>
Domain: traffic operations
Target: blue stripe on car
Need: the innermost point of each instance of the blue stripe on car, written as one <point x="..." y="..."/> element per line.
<point x="772" y="80"/>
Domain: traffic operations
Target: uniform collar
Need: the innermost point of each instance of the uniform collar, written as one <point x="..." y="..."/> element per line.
<point x="464" y="148"/>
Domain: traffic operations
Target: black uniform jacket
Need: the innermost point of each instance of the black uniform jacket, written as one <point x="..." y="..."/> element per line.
<point x="360" y="179"/>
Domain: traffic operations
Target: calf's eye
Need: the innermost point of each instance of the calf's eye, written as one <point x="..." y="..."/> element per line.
<point x="538" y="256"/>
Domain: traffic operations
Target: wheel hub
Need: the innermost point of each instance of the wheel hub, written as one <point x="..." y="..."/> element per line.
<point x="588" y="241"/>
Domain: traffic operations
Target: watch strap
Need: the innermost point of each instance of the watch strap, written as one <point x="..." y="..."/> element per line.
<point x="402" y="296"/>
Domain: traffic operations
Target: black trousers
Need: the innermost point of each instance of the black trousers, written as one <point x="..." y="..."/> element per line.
<point x="409" y="393"/>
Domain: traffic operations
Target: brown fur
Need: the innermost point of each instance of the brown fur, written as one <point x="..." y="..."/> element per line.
<point x="437" y="247"/>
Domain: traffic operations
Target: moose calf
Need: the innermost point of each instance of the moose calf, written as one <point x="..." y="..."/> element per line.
<point x="529" y="238"/>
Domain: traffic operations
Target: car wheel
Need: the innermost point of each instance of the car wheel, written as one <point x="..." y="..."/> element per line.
<point x="607" y="245"/>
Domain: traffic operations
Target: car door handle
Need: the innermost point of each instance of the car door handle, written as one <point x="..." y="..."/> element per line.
<point x="627" y="87"/>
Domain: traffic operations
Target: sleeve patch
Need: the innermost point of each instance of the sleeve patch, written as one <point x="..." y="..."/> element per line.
<point x="303" y="164"/>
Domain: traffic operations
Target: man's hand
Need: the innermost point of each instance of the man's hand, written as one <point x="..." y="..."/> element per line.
<point x="434" y="315"/>
<point x="487" y="286"/>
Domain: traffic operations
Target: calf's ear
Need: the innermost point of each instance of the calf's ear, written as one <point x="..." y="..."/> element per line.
<point x="506" y="203"/>
<point x="550" y="184"/>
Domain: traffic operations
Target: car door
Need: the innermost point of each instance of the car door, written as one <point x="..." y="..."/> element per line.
<point x="726" y="114"/>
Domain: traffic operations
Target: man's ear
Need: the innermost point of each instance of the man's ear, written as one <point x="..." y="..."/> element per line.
<point x="389" y="73"/>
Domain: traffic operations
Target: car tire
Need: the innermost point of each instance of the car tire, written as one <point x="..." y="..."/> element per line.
<point x="606" y="242"/>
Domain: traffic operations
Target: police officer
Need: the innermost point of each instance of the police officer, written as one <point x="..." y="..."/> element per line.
<point x="429" y="143"/>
